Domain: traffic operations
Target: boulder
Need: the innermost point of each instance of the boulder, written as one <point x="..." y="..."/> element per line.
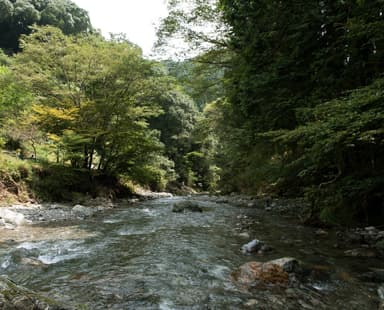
<point x="186" y="205"/>
<point x="260" y="274"/>
<point x="13" y="296"/>
<point x="280" y="272"/>
<point x="13" y="217"/>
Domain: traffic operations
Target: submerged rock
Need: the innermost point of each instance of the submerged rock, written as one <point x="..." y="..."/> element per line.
<point x="186" y="205"/>
<point x="13" y="296"/>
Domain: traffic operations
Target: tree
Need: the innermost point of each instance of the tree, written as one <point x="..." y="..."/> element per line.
<point x="192" y="27"/>
<point x="291" y="61"/>
<point x="301" y="82"/>
<point x="18" y="15"/>
<point x="201" y="77"/>
<point x="94" y="98"/>
<point x="175" y="125"/>
<point x="14" y="99"/>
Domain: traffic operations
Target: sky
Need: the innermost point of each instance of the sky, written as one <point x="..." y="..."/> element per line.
<point x="135" y="18"/>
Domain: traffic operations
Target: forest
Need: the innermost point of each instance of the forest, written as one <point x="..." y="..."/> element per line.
<point x="281" y="98"/>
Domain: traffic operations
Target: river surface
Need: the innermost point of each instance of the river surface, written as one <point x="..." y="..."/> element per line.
<point x="147" y="257"/>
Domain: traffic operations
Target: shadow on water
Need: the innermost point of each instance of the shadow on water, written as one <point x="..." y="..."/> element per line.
<point x="147" y="257"/>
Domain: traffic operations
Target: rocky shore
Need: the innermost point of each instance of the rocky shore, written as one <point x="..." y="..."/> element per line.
<point x="26" y="214"/>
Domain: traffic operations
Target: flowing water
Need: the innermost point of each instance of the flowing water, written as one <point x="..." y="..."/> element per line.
<point x="147" y="257"/>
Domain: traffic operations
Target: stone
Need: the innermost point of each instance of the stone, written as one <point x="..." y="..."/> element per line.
<point x="260" y="274"/>
<point x="251" y="303"/>
<point x="186" y="205"/>
<point x="370" y="228"/>
<point x="253" y="246"/>
<point x="13" y="217"/>
<point x="321" y="232"/>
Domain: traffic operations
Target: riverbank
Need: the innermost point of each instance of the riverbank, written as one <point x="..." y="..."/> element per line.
<point x="28" y="182"/>
<point x="33" y="213"/>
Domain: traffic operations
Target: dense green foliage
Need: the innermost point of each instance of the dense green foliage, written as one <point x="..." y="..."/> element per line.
<point x="302" y="109"/>
<point x="16" y="17"/>
<point x="86" y="107"/>
<point x="294" y="64"/>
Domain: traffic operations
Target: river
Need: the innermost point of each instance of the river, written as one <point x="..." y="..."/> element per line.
<point x="147" y="257"/>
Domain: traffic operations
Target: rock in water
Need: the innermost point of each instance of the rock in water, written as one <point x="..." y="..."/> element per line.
<point x="253" y="246"/>
<point x="274" y="272"/>
<point x="260" y="274"/>
<point x="13" y="296"/>
<point x="186" y="205"/>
